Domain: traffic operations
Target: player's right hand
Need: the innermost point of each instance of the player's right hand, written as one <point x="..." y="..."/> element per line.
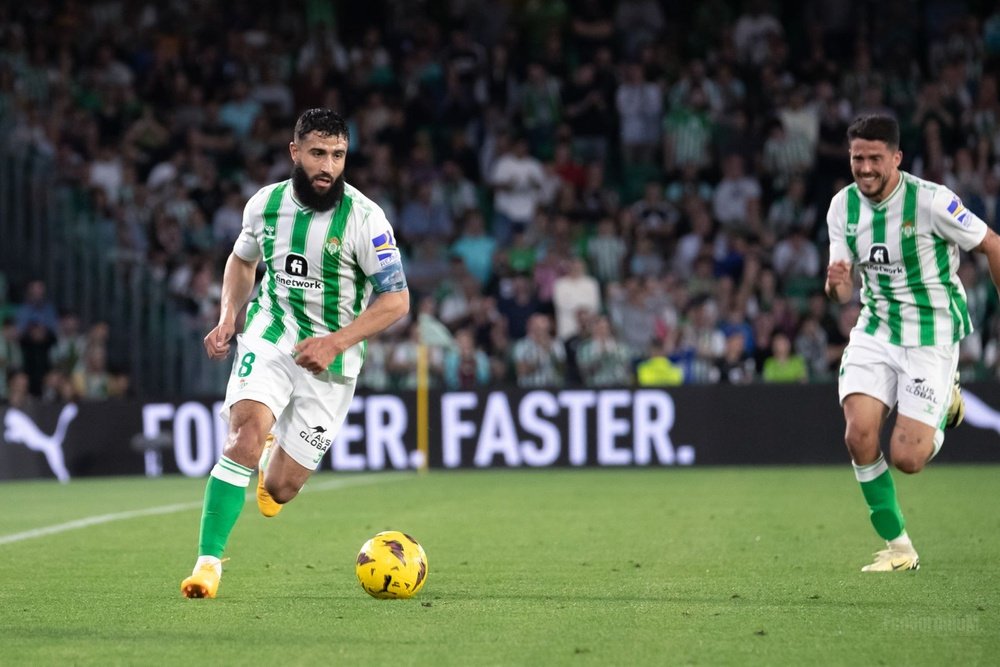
<point x="838" y="273"/>
<point x="217" y="340"/>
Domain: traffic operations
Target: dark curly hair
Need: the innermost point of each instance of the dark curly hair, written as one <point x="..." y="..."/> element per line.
<point x="327" y="122"/>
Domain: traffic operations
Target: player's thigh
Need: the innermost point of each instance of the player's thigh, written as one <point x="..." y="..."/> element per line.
<point x="869" y="366"/>
<point x="925" y="383"/>
<point x="864" y="416"/>
<point x="313" y="417"/>
<point x="261" y="373"/>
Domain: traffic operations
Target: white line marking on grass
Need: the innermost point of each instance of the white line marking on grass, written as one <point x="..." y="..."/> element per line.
<point x="86" y="522"/>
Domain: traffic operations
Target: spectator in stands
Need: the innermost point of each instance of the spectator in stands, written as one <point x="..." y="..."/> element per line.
<point x="734" y="365"/>
<point x="571" y="292"/>
<point x="36" y="346"/>
<point x="518" y="183"/>
<point x="588" y="114"/>
<point x="654" y="215"/>
<point x="606" y="252"/>
<point x="640" y="107"/>
<point x="70" y="343"/>
<point x="784" y="365"/>
<point x="423" y="217"/>
<point x="519" y="306"/>
<point x="658" y="370"/>
<point x="736" y="200"/>
<point x="602" y="360"/>
<point x="475" y="248"/>
<point x="11" y="355"/>
<point x="466" y="367"/>
<point x="18" y="392"/>
<point x="36" y="308"/>
<point x="539" y="358"/>
<point x="811" y="344"/>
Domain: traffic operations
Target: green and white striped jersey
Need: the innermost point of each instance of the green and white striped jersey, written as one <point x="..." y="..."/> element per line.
<point x="907" y="250"/>
<point x="318" y="266"/>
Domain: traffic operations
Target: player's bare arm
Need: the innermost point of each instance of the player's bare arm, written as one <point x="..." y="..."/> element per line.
<point x="237" y="284"/>
<point x="990" y="247"/>
<point x="315" y="354"/>
<point x="839" y="281"/>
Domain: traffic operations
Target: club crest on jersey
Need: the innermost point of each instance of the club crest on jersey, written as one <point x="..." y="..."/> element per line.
<point x="385" y="248"/>
<point x="332" y="245"/>
<point x="909" y="228"/>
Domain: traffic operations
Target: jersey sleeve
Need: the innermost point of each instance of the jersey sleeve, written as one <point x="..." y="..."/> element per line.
<point x="836" y="222"/>
<point x="247" y="246"/>
<point x="955" y="223"/>
<point x="378" y="256"/>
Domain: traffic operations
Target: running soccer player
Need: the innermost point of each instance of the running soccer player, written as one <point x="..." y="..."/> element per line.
<point x="325" y="247"/>
<point x="904" y="235"/>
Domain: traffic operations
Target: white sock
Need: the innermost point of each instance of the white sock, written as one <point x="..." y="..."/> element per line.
<point x="903" y="541"/>
<point x="211" y="560"/>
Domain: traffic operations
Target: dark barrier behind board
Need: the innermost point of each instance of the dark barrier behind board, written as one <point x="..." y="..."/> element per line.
<point x="700" y="425"/>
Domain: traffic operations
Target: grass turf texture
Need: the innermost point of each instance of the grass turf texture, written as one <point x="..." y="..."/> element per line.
<point x="596" y="567"/>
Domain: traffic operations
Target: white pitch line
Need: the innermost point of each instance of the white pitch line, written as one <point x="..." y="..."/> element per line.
<point x="176" y="507"/>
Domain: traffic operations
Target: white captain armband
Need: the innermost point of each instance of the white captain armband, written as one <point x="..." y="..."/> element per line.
<point x="390" y="278"/>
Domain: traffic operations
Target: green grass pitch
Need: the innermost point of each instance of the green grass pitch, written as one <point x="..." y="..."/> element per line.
<point x="561" y="567"/>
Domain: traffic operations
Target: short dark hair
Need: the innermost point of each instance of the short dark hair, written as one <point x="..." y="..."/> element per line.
<point x="322" y="121"/>
<point x="875" y="127"/>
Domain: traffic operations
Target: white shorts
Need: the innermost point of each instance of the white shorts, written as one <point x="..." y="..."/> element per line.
<point x="918" y="378"/>
<point x="308" y="409"/>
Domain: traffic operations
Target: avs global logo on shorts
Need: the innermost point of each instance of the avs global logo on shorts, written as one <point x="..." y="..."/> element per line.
<point x="918" y="387"/>
<point x="296" y="274"/>
<point x="316" y="437"/>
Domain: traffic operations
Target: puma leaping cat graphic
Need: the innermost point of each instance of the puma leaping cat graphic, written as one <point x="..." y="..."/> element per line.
<point x="980" y="414"/>
<point x="19" y="427"/>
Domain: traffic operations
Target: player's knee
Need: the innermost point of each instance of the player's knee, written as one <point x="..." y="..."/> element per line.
<point x="862" y="442"/>
<point x="282" y="492"/>
<point x="909" y="462"/>
<point x="247" y="437"/>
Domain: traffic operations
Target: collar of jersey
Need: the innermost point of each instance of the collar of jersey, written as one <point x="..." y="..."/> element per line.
<point x="298" y="204"/>
<point x="885" y="202"/>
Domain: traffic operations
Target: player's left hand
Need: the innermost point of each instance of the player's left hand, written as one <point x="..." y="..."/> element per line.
<point x="315" y="354"/>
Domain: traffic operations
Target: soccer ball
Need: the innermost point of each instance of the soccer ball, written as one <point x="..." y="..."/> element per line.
<point x="392" y="565"/>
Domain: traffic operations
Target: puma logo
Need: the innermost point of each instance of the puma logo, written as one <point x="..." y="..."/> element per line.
<point x="19" y="427"/>
<point x="980" y="414"/>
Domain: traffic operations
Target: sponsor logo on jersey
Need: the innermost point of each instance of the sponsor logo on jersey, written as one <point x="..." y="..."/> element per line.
<point x="878" y="254"/>
<point x="312" y="284"/>
<point x="269" y="231"/>
<point x="959" y="212"/>
<point x="385" y="247"/>
<point x="296" y="265"/>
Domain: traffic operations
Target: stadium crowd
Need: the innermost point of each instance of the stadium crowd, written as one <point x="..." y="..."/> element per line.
<point x="586" y="192"/>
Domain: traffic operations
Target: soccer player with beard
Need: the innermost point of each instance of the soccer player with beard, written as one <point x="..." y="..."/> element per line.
<point x="326" y="247"/>
<point x="905" y="235"/>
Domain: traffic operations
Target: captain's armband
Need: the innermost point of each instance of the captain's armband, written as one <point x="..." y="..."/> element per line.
<point x="390" y="278"/>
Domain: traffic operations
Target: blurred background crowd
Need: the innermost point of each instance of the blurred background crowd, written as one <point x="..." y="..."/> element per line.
<point x="587" y="192"/>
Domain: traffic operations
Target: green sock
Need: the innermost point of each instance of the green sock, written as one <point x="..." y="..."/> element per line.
<point x="880" y="494"/>
<point x="224" y="498"/>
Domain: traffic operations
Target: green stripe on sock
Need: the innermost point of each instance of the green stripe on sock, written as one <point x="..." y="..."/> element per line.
<point x="235" y="467"/>
<point x="883" y="507"/>
<point x="223" y="504"/>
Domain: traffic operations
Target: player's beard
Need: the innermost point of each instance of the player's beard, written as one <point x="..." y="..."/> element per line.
<point x="878" y="188"/>
<point x="308" y="195"/>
